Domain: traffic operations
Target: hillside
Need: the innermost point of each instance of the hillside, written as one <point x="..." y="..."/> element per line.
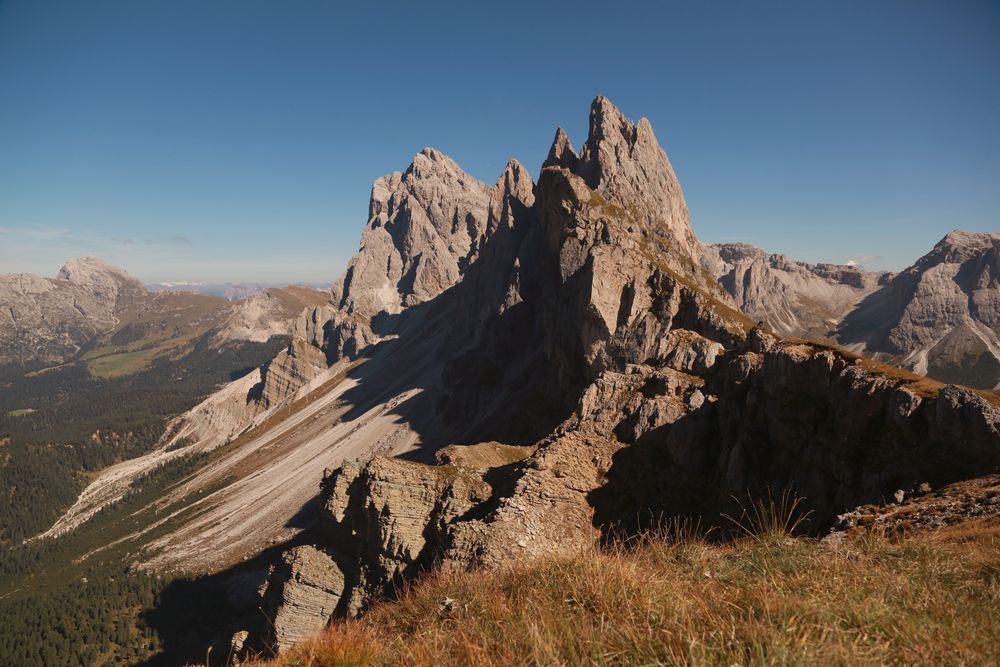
<point x="922" y="599"/>
<point x="96" y="366"/>
<point x="97" y="313"/>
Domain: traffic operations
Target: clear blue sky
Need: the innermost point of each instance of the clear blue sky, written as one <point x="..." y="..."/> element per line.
<point x="193" y="140"/>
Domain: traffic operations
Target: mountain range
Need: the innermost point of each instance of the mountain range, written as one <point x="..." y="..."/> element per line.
<point x="100" y="314"/>
<point x="519" y="370"/>
<point x="937" y="317"/>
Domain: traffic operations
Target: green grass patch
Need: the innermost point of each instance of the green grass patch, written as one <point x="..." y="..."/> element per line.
<point x="115" y="365"/>
<point x="20" y="412"/>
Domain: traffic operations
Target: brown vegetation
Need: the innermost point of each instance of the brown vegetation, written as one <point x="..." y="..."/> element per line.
<point x="760" y="600"/>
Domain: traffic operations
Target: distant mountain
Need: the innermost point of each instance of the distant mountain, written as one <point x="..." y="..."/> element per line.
<point x="791" y="298"/>
<point x="940" y="317"/>
<point x="99" y="314"/>
<point x="46" y="320"/>
<point x="229" y="291"/>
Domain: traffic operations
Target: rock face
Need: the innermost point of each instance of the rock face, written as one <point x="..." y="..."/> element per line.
<point x="790" y="298"/>
<point x="622" y="162"/>
<point x="308" y="595"/>
<point x="939" y="317"/>
<point x="295" y="366"/>
<point x="425" y="227"/>
<point x="610" y="385"/>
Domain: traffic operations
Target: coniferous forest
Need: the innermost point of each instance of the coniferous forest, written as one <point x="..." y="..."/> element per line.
<point x="75" y="599"/>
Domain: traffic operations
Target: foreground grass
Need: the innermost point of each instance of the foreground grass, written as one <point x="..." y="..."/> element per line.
<point x="927" y="600"/>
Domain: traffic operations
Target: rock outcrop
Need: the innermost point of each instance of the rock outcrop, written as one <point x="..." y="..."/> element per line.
<point x="306" y="597"/>
<point x="284" y="375"/>
<point x="923" y="508"/>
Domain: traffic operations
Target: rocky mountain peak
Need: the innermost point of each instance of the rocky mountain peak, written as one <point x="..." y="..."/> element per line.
<point x="516" y="179"/>
<point x="46" y="320"/>
<point x="561" y="154"/>
<point x="939" y="316"/>
<point x="737" y="252"/>
<point x="83" y="270"/>
<point x="430" y="162"/>
<point x="958" y="246"/>
<point x="99" y="278"/>
<point x="624" y="163"/>
<point x="425" y="227"/>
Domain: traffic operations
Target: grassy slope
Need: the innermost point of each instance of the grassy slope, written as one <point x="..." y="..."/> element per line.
<point x="928" y="599"/>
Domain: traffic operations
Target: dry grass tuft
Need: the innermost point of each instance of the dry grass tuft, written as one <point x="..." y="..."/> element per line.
<point x="871" y="601"/>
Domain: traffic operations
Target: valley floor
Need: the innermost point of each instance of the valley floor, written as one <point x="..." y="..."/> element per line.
<point x="931" y="598"/>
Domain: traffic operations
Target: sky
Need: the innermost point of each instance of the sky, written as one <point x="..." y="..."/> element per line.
<point x="237" y="140"/>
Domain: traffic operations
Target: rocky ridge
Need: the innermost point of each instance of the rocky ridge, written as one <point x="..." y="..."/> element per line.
<point x="788" y="297"/>
<point x="629" y="391"/>
<point x="937" y="318"/>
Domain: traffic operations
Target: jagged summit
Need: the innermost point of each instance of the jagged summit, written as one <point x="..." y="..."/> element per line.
<point x="425" y="227"/>
<point x="624" y="163"/>
<point x="561" y="154"/>
<point x="515" y="184"/>
<point x="959" y="245"/>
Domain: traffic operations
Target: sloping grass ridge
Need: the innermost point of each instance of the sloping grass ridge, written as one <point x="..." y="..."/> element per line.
<point x="930" y="599"/>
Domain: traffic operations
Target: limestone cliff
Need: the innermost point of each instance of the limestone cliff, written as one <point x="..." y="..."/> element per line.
<point x="425" y="227"/>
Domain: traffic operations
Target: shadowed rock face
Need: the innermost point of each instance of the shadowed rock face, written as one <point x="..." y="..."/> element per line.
<point x="586" y="321"/>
